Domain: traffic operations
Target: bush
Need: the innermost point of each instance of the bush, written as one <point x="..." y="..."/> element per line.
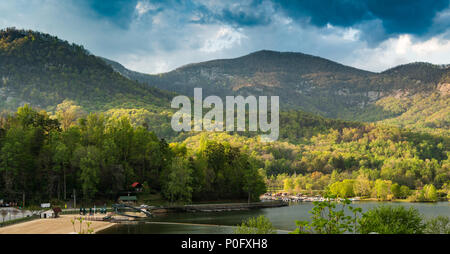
<point x="259" y="225"/>
<point x="391" y="220"/>
<point x="438" y="225"/>
<point x="326" y="219"/>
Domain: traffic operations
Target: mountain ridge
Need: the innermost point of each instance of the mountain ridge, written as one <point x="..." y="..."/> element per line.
<point x="43" y="70"/>
<point x="304" y="82"/>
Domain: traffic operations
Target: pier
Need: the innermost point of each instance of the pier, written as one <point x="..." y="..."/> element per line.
<point x="217" y="207"/>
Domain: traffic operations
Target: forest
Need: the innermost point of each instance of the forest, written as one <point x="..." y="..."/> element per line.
<point x="70" y="121"/>
<point x="45" y="157"/>
<point x="48" y="155"/>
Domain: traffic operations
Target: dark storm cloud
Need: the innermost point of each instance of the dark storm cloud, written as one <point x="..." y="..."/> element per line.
<point x="246" y="14"/>
<point x="388" y="17"/>
<point x="119" y="12"/>
<point x="396" y="16"/>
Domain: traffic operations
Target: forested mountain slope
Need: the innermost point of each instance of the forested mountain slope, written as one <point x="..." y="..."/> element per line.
<point x="320" y="86"/>
<point x="43" y="70"/>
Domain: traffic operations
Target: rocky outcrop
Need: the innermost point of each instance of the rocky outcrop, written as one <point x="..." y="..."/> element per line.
<point x="444" y="88"/>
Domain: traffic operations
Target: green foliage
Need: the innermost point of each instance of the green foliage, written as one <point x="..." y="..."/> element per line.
<point x="391" y="220"/>
<point x="226" y="172"/>
<point x="178" y="183"/>
<point x="44" y="71"/>
<point x="257" y="225"/>
<point x="342" y="189"/>
<point x="428" y="193"/>
<point x="327" y="219"/>
<point x="100" y="157"/>
<point x="383" y="189"/>
<point x="438" y="225"/>
<point x="384" y="219"/>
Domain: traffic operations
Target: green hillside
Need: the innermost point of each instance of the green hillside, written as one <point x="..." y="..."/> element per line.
<point x="319" y="86"/>
<point x="43" y="70"/>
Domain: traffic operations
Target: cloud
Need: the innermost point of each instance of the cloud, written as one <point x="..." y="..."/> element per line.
<point x="118" y="12"/>
<point x="225" y="38"/>
<point x="401" y="50"/>
<point x="245" y="14"/>
<point x="387" y="17"/>
<point x="143" y="7"/>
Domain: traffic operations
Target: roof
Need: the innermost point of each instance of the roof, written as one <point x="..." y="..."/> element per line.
<point x="127" y="198"/>
<point x="135" y="184"/>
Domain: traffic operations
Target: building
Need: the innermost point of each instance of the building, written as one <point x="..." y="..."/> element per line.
<point x="48" y="214"/>
<point x="137" y="186"/>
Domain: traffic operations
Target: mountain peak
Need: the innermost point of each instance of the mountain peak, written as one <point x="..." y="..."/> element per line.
<point x="423" y="71"/>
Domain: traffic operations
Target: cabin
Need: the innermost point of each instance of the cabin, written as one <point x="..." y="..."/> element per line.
<point x="48" y="214"/>
<point x="137" y="186"/>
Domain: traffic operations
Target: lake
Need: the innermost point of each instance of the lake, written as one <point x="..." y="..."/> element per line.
<point x="282" y="218"/>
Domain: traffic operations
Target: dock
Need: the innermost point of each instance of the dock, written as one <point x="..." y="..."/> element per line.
<point x="217" y="207"/>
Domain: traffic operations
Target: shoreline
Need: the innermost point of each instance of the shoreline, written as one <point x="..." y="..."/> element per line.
<point x="60" y="225"/>
<point x="305" y="198"/>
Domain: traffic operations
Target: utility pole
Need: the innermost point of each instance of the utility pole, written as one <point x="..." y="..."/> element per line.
<point x="23" y="200"/>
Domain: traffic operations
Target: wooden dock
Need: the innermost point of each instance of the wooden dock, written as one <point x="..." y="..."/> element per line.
<point x="216" y="207"/>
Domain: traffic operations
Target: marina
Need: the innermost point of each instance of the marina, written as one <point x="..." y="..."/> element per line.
<point x="285" y="197"/>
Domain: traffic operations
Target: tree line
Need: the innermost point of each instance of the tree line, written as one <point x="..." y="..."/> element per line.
<point x="47" y="156"/>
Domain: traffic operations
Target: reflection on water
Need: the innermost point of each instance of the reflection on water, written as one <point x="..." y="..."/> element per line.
<point x="283" y="218"/>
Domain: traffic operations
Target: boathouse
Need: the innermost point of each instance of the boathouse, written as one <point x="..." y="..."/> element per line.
<point x="48" y="214"/>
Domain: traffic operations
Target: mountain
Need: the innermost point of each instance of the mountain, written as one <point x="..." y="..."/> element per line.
<point x="424" y="72"/>
<point x="43" y="70"/>
<point x="319" y="86"/>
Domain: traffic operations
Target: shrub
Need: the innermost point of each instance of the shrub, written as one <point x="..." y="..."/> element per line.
<point x="326" y="219"/>
<point x="438" y="225"/>
<point x="259" y="225"/>
<point x="391" y="220"/>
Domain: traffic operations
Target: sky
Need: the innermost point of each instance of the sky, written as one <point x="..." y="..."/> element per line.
<point x="158" y="36"/>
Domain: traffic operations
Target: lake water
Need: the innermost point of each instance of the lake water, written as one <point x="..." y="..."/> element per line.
<point x="282" y="218"/>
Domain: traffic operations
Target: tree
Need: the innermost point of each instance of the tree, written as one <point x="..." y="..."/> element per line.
<point x="430" y="193"/>
<point x="67" y="113"/>
<point x="383" y="189"/>
<point x="177" y="182"/>
<point x="396" y="190"/>
<point x="288" y="184"/>
<point x="90" y="171"/>
<point x="343" y="189"/>
<point x="254" y="183"/>
<point x="404" y="191"/>
<point x="391" y="220"/>
<point x="362" y="186"/>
